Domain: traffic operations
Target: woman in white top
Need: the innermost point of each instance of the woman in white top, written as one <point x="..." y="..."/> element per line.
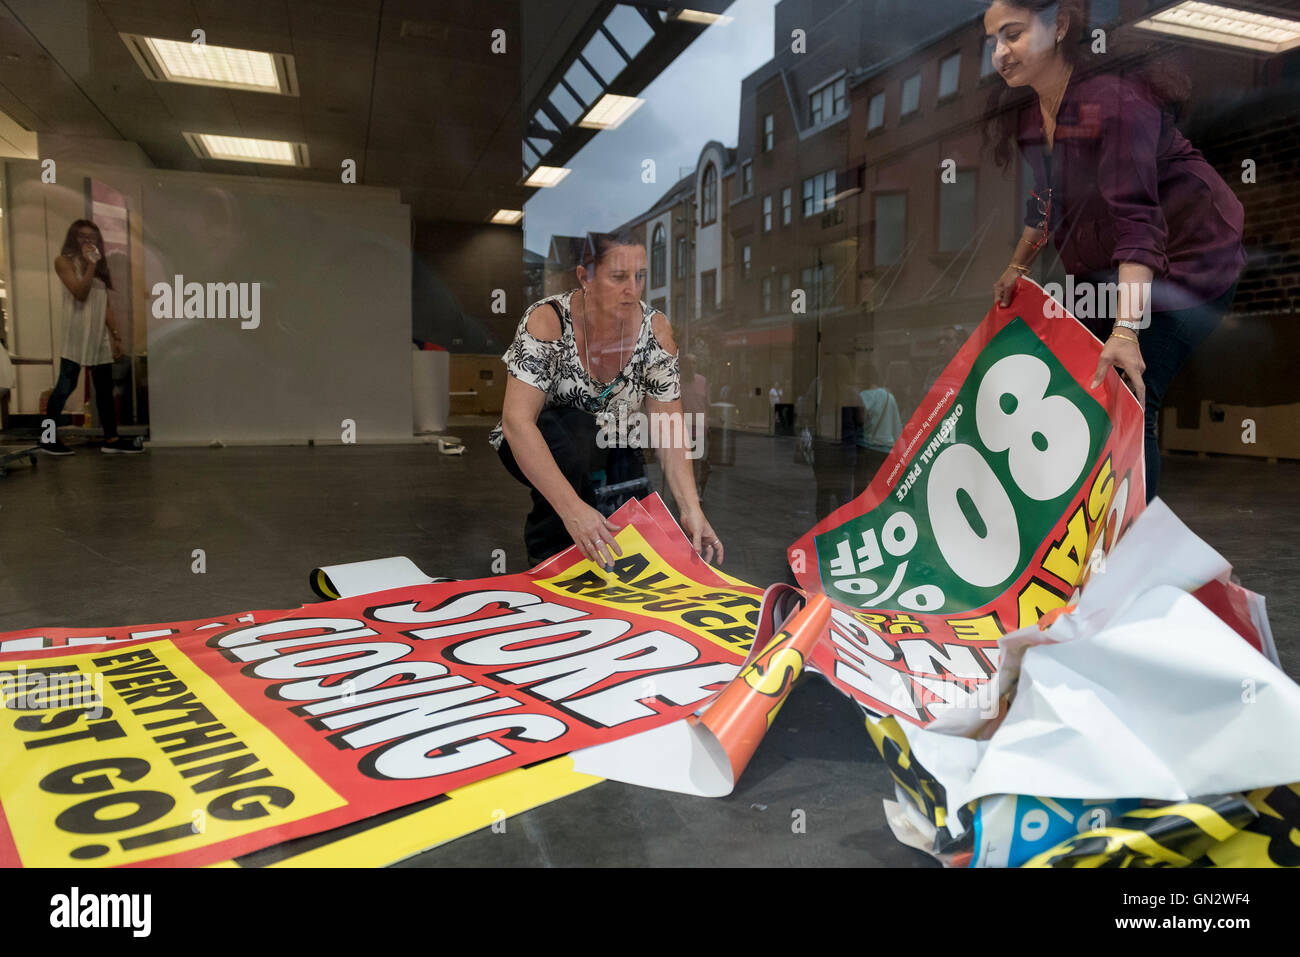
<point x="595" y="351"/>
<point x="90" y="335"/>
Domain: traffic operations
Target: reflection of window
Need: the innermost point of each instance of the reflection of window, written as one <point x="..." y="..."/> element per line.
<point x="819" y="283"/>
<point x="681" y="256"/>
<point x="767" y="214"/>
<point x="660" y="305"/>
<point x="785" y="289"/>
<point x="769" y="132"/>
<point x="986" y="57"/>
<point x="876" y="112"/>
<point x="659" y="257"/>
<point x="746" y="177"/>
<point x="708" y="291"/>
<point x="819" y="193"/>
<point x="1103" y="12"/>
<point x="828" y="102"/>
<point x="767" y="294"/>
<point x="709" y="204"/>
<point x="949" y="72"/>
<point x="891" y="225"/>
<point x="787" y="200"/>
<point x="745" y="261"/>
<point x="911" y="94"/>
<point x="956" y="212"/>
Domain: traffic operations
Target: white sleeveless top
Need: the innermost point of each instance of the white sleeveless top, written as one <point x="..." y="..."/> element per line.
<point x="86" y="339"/>
<point x="553" y="367"/>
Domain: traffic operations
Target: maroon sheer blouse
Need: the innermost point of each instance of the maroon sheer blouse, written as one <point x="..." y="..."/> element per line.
<point x="1127" y="186"/>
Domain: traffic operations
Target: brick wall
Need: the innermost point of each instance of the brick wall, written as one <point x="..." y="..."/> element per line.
<point x="1270" y="282"/>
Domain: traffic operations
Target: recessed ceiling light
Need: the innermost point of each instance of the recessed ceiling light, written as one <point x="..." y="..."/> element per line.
<point x="546" y="176"/>
<point x="247" y="150"/>
<point x="1228" y="25"/>
<point x="610" y="111"/>
<point x="699" y="16"/>
<point x="204" y="64"/>
<point x="507" y="217"/>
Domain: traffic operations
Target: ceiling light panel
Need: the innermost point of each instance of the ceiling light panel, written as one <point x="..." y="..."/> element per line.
<point x="1231" y="26"/>
<point x="206" y="64"/>
<point x="247" y="150"/>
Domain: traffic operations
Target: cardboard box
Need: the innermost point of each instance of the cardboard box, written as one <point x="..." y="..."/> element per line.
<point x="478" y="384"/>
<point x="1271" y="431"/>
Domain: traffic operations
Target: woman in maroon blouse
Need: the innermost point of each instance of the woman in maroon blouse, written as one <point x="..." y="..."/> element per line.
<point x="1124" y="195"/>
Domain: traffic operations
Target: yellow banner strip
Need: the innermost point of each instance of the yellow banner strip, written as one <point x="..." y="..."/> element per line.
<point x="468" y="809"/>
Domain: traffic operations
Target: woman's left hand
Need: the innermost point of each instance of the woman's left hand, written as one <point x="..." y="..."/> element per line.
<point x="1125" y="355"/>
<point x="703" y="539"/>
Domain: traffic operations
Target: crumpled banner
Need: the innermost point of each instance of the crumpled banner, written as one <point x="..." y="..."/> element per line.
<point x="205" y="744"/>
<point x="1003" y="493"/>
<point x="1147" y="681"/>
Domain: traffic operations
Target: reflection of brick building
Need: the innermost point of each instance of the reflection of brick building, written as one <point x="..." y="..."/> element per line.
<point x="562" y="259"/>
<point x="837" y="245"/>
<point x="801" y="323"/>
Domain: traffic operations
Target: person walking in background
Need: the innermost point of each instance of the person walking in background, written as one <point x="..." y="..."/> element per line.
<point x="881" y="425"/>
<point x="90" y="336"/>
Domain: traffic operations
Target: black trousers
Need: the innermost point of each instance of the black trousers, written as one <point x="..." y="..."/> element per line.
<point x="102" y="376"/>
<point x="570" y="434"/>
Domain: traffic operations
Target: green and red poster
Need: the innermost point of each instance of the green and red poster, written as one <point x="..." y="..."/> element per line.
<point x="1004" y="490"/>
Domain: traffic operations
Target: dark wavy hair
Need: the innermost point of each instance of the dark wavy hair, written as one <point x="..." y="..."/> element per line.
<point x="1163" y="77"/>
<point x="71" y="247"/>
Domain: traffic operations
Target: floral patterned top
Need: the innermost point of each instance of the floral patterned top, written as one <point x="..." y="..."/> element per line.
<point x="554" y="368"/>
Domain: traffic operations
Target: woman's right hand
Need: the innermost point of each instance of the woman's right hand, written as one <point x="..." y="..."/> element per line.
<point x="593" y="533"/>
<point x="90" y="253"/>
<point x="1005" y="287"/>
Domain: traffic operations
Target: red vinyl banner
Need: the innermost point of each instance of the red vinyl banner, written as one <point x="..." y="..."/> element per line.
<point x="39" y="639"/>
<point x="1004" y="490"/>
<point x="191" y="748"/>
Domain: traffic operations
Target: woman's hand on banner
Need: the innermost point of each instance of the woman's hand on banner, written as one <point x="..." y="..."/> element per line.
<point x="703" y="539"/>
<point x="594" y="535"/>
<point x="1005" y="288"/>
<point x="1125" y="356"/>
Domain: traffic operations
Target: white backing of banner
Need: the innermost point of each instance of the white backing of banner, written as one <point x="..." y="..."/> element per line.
<point x="1166" y="703"/>
<point x="379" y="574"/>
<point x="683" y="757"/>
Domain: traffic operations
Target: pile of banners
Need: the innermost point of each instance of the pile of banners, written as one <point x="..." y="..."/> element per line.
<point x="1055" y="673"/>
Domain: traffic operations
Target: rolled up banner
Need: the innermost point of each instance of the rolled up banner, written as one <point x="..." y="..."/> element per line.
<point x="361" y="578"/>
<point x="741" y="715"/>
<point x="706" y="756"/>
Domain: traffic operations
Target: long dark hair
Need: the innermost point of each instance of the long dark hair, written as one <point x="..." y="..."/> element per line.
<point x="1166" y="81"/>
<point x="72" y="246"/>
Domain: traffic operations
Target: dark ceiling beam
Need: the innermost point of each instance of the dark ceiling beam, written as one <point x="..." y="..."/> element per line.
<point x="671" y="38"/>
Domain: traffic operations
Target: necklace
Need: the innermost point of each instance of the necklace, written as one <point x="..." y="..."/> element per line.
<point x="1056" y="105"/>
<point x="586" y="345"/>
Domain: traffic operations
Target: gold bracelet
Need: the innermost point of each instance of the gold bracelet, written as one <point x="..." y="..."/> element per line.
<point x="1117" y="334"/>
<point x="1023" y="269"/>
